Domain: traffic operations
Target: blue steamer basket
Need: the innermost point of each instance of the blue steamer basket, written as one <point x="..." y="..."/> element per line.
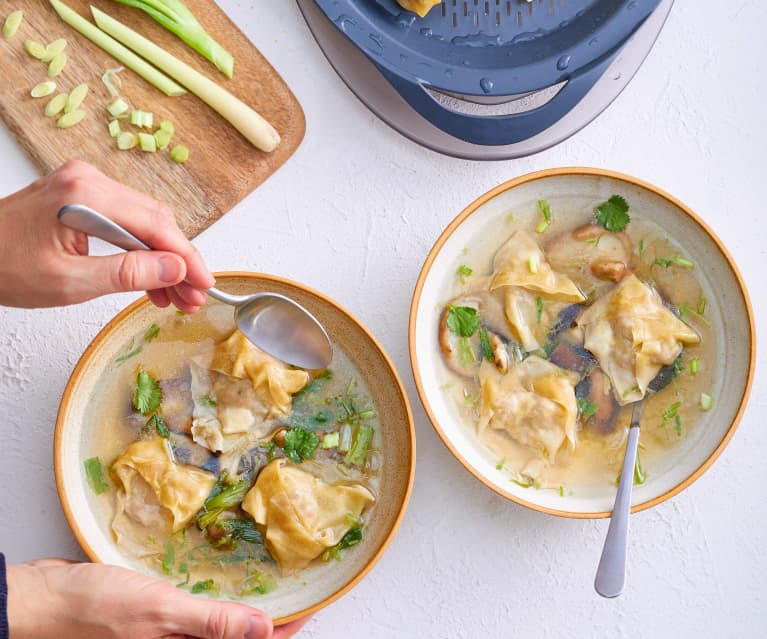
<point x="490" y="50"/>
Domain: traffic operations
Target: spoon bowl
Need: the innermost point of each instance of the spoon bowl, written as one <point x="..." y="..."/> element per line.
<point x="275" y="323"/>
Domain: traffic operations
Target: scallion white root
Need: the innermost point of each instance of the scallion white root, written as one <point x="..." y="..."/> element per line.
<point x="254" y="127"/>
<point x="117" y="50"/>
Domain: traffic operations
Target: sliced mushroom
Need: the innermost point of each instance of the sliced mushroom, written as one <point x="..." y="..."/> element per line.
<point x="572" y="357"/>
<point x="609" y="270"/>
<point x="597" y="389"/>
<point x="500" y="353"/>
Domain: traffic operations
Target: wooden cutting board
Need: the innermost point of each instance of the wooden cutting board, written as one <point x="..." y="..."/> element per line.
<point x="223" y="167"/>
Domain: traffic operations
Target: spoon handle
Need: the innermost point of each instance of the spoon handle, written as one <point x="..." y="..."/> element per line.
<point x="611" y="573"/>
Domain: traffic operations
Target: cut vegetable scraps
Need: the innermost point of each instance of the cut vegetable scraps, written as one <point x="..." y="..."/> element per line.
<point x="178" y="19"/>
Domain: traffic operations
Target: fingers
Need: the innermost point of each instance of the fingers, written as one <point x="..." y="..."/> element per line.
<point x="290" y="629"/>
<point x="188" y="615"/>
<point x="50" y="561"/>
<point x="142" y="215"/>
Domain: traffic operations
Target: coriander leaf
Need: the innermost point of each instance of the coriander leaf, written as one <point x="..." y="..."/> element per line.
<point x="484" y="343"/>
<point x="147" y="396"/>
<point x="586" y="407"/>
<point x="207" y="399"/>
<point x="351" y="538"/>
<point x="463" y="320"/>
<point x="260" y="583"/>
<point x="158" y="423"/>
<point x="94" y="472"/>
<point x="204" y="586"/>
<point x="300" y="444"/>
<point x="613" y="214"/>
<point x="463" y="272"/>
<point x="243" y="529"/>
<point x="152" y="332"/>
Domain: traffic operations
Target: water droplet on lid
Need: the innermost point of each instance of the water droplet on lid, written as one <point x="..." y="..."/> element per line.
<point x="426" y="32"/>
<point x="344" y="21"/>
<point x="563" y="62"/>
<point x="377" y="44"/>
<point x="486" y="84"/>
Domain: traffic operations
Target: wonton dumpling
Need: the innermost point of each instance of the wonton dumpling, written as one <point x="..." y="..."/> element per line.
<point x="633" y="335"/>
<point x="421" y="7"/>
<point x="274" y="381"/>
<point x="180" y="489"/>
<point x="303" y="515"/>
<point x="534" y="403"/>
<point x="511" y="272"/>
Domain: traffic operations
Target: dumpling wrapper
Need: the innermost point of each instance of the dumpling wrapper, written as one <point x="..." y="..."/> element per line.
<point x="534" y="403"/>
<point x="421" y="7"/>
<point x="633" y="335"/>
<point x="274" y="382"/>
<point x="303" y="515"/>
<point x="179" y="488"/>
<point x="522" y="288"/>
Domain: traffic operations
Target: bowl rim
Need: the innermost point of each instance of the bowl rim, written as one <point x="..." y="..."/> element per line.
<point x="569" y="172"/>
<point x="144" y="300"/>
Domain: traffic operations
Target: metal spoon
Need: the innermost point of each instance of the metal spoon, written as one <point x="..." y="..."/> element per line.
<point x="275" y="323"/>
<point x="611" y="573"/>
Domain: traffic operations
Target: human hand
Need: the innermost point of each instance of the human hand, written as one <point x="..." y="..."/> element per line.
<point x="44" y="263"/>
<point x="59" y="599"/>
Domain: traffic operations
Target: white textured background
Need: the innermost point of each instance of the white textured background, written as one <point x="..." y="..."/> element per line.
<point x="353" y="214"/>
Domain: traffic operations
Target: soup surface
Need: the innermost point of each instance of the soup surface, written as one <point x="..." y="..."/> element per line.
<point x="223" y="469"/>
<point x="557" y="319"/>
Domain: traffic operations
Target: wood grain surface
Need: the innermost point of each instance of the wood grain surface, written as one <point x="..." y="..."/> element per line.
<point x="223" y="167"/>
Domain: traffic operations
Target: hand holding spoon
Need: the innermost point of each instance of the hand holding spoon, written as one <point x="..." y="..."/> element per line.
<point x="275" y="323"/>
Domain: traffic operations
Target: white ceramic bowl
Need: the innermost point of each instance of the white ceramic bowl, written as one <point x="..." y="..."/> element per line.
<point x="735" y="334"/>
<point x="316" y="587"/>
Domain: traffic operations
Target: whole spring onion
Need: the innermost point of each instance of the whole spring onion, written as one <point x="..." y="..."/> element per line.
<point x="117" y="50"/>
<point x="255" y="128"/>
<point x="178" y="19"/>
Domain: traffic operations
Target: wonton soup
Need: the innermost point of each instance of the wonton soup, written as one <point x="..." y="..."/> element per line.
<point x="559" y="317"/>
<point x="225" y="470"/>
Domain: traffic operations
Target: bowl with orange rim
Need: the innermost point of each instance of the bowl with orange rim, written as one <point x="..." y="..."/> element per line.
<point x="131" y="342"/>
<point x="551" y="304"/>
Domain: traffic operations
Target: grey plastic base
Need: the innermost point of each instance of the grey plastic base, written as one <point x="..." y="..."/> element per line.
<point x="366" y="82"/>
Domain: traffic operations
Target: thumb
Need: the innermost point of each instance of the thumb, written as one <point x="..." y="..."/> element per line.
<point x="132" y="271"/>
<point x="208" y="619"/>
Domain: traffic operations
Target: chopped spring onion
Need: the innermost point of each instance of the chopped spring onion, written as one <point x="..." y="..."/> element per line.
<point x="167" y="125"/>
<point x="694" y="366"/>
<point x="56" y="105"/>
<point x="681" y="261"/>
<point x="330" y="440"/>
<point x="254" y="127"/>
<point x="117" y="107"/>
<point x="114" y="128"/>
<point x="501" y="462"/>
<point x="362" y="437"/>
<point x="94" y="473"/>
<point x="112" y="81"/>
<point x="43" y="89"/>
<point x="117" y="50"/>
<point x="344" y="438"/>
<point x="532" y="263"/>
<point x="76" y="97"/>
<point x="178" y="19"/>
<point x="12" y="23"/>
<point x="57" y="65"/>
<point x="126" y="140"/>
<point x="162" y="138"/>
<point x="179" y="154"/>
<point x="70" y="119"/>
<point x="147" y="142"/>
<point x="706" y="401"/>
<point x="542" y="227"/>
<point x="34" y="48"/>
<point x="135" y="117"/>
<point x="147" y="119"/>
<point x="54" y="48"/>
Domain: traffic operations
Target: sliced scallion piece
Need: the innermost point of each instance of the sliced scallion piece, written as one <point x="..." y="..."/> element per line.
<point x="147" y="119"/>
<point x="54" y="48"/>
<point x="70" y="119"/>
<point x="178" y="19"/>
<point x="57" y="65"/>
<point x="126" y="140"/>
<point x="254" y="127"/>
<point x="694" y="366"/>
<point x="56" y="105"/>
<point x="136" y="117"/>
<point x="117" y="107"/>
<point x="147" y="142"/>
<point x="706" y="401"/>
<point x="162" y="137"/>
<point x="117" y="50"/>
<point x="179" y="154"/>
<point x="43" y="89"/>
<point x="532" y="263"/>
<point x="114" y="128"/>
<point x="34" y="48"/>
<point x="167" y="125"/>
<point x="12" y="23"/>
<point x="76" y="97"/>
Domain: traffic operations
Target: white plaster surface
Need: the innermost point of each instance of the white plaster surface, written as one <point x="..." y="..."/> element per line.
<point x="353" y="214"/>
